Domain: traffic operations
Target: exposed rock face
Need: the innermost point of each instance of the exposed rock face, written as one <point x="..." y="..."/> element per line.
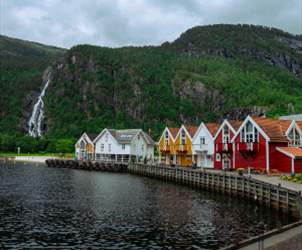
<point x="242" y="113"/>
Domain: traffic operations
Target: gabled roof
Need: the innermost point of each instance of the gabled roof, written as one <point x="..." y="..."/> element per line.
<point x="234" y="125"/>
<point x="173" y="131"/>
<point x="191" y="130"/>
<point x="293" y="152"/>
<point x="299" y="123"/>
<point x="212" y="127"/>
<point x="274" y="129"/>
<point x="91" y="136"/>
<point x="125" y="136"/>
<point x="90" y="140"/>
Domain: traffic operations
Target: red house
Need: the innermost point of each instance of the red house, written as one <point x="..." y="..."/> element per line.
<point x="223" y="147"/>
<point x="268" y="144"/>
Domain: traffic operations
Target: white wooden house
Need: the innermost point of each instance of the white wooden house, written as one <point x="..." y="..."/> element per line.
<point x="123" y="145"/>
<point x="203" y="145"/>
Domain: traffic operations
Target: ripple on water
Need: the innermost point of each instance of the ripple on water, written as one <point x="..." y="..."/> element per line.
<point x="64" y="209"/>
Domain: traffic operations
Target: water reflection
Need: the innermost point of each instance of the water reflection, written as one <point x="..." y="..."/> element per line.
<point x="65" y="209"/>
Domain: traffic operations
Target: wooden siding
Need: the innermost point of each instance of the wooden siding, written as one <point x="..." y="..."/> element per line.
<point x="255" y="159"/>
<point x="218" y="140"/>
<point x="284" y="163"/>
<point x="183" y="152"/>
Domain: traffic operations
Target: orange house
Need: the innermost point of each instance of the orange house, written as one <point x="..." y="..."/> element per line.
<point x="183" y="145"/>
<point x="167" y="153"/>
<point x="84" y="148"/>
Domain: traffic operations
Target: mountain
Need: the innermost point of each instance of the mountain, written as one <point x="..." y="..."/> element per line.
<point x="22" y="64"/>
<point x="208" y="73"/>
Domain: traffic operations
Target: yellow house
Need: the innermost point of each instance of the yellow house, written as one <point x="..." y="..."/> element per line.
<point x="166" y="144"/>
<point x="183" y="145"/>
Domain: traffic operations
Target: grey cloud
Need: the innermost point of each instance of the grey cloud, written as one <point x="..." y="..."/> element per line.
<point x="136" y="22"/>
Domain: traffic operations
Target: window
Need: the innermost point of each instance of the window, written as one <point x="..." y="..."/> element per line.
<point x="218" y="157"/>
<point x="106" y="137"/>
<point x="249" y="133"/>
<point x="183" y="137"/>
<point x="138" y="136"/>
<point x="82" y="145"/>
<point x="294" y="138"/>
<point x="202" y="141"/>
<point x="225" y="134"/>
<point x="143" y="148"/>
<point x="123" y="146"/>
<point x="102" y="147"/>
<point x="166" y="137"/>
<point x="109" y="147"/>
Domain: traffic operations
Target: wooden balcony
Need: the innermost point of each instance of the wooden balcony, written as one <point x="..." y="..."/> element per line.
<point x="182" y="148"/>
<point x="248" y="146"/>
<point x="165" y="148"/>
<point x="224" y="147"/>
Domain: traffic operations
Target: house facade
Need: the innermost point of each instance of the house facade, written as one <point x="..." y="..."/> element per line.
<point x="84" y="147"/>
<point x="124" y="145"/>
<point x="268" y="145"/>
<point x="203" y="145"/>
<point x="166" y="146"/>
<point x="224" y="149"/>
<point x="184" y="145"/>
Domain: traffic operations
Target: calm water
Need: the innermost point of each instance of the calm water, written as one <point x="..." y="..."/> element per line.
<point x="73" y="209"/>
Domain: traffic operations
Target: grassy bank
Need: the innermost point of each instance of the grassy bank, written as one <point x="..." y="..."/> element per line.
<point x="61" y="155"/>
<point x="297" y="178"/>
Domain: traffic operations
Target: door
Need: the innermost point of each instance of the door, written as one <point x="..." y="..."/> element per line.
<point x="226" y="163"/>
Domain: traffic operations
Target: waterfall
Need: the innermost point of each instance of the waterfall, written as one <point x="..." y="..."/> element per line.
<point x="35" y="121"/>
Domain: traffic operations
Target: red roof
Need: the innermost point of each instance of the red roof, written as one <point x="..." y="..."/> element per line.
<point x="235" y="124"/>
<point x="293" y="152"/>
<point x="212" y="127"/>
<point x="192" y="130"/>
<point x="173" y="131"/>
<point x="299" y="124"/>
<point x="275" y="129"/>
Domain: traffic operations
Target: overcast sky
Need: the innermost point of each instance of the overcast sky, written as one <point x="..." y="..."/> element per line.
<point x="136" y="22"/>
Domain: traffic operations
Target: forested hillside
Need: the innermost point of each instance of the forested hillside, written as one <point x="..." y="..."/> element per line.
<point x="22" y="64"/>
<point x="208" y="73"/>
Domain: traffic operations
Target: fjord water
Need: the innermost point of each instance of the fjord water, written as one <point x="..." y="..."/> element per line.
<point x="74" y="209"/>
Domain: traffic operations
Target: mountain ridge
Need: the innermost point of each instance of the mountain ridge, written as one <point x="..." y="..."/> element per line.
<point x="202" y="75"/>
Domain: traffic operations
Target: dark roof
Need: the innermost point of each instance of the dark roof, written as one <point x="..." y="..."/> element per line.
<point x="126" y="135"/>
<point x="92" y="136"/>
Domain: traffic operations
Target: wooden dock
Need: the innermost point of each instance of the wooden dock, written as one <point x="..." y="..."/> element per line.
<point x="271" y="195"/>
<point x="108" y="166"/>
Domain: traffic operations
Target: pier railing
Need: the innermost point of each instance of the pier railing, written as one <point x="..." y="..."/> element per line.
<point x="262" y="192"/>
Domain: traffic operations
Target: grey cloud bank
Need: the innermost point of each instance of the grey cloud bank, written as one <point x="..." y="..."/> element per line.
<point x="136" y="22"/>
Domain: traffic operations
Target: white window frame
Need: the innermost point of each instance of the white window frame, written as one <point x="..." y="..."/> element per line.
<point x="183" y="137"/>
<point x="102" y="146"/>
<point x="226" y="137"/>
<point x="166" y="137"/>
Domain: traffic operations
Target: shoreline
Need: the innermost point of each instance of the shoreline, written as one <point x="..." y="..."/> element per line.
<point x="35" y="159"/>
